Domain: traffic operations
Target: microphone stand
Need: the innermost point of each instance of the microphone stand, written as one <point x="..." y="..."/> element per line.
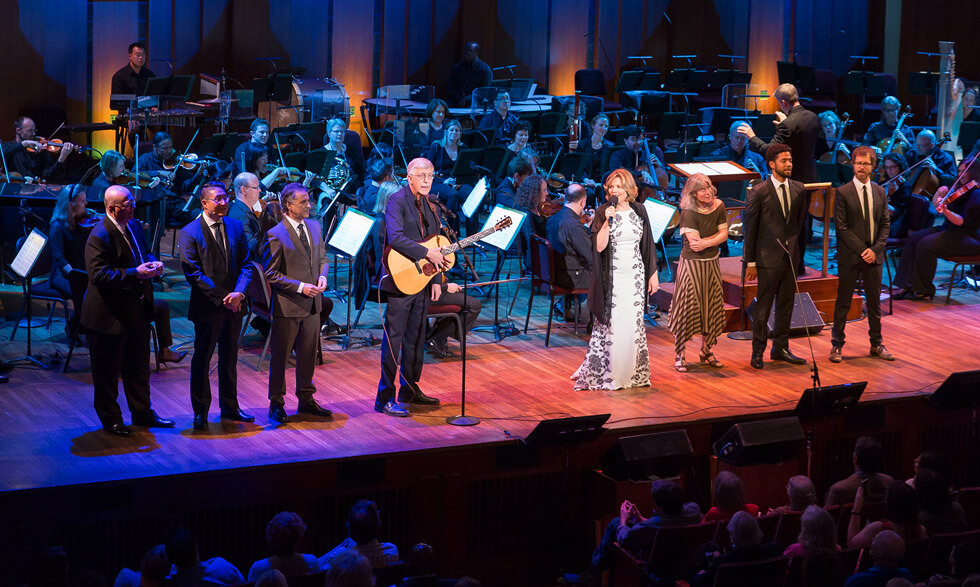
<point x="461" y="419"/>
<point x="814" y="371"/>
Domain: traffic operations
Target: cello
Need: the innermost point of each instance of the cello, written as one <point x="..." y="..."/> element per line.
<point x="838" y="154"/>
<point x="886" y="146"/>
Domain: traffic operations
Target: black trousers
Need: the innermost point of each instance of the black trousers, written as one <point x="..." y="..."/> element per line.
<point x="847" y="275"/>
<point x="917" y="267"/>
<point x="404" y="337"/>
<point x="287" y="333"/>
<point x="125" y="355"/>
<point x="446" y="327"/>
<point x="775" y="284"/>
<point x="222" y="333"/>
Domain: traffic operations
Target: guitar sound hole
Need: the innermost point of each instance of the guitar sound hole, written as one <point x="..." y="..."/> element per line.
<point x="429" y="269"/>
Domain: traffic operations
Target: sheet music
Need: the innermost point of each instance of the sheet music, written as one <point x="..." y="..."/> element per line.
<point x="28" y="253"/>
<point x="502" y="239"/>
<point x="722" y="168"/>
<point x="353" y="230"/>
<point x="660" y="214"/>
<point x="475" y="198"/>
<point x="692" y="168"/>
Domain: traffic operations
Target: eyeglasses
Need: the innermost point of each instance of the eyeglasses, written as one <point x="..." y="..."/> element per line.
<point x="428" y="176"/>
<point x="219" y="199"/>
<point x="889" y="109"/>
<point x="252" y="187"/>
<point x="861" y="163"/>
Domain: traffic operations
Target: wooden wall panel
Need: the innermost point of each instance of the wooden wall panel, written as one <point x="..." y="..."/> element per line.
<point x="353" y="46"/>
<point x="114" y="27"/>
<point x="568" y="44"/>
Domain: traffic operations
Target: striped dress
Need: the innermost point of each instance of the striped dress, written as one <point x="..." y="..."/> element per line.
<point x="698" y="305"/>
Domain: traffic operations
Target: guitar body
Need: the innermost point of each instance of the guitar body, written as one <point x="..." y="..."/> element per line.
<point x="411" y="277"/>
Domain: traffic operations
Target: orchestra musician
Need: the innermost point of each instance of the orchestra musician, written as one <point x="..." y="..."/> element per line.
<point x="517" y="171"/>
<point x="958" y="235"/>
<point x="583" y="127"/>
<point x="443" y="154"/>
<point x="258" y="136"/>
<point x="436" y="113"/>
<point x="899" y="193"/>
<point x="131" y="78"/>
<point x="246" y="208"/>
<point x="409" y="219"/>
<point x="349" y="153"/>
<point x="598" y="149"/>
<point x="155" y="164"/>
<point x="27" y="156"/>
<point x="884" y="129"/>
<point x="531" y="197"/>
<point x="830" y="123"/>
<point x="861" y="219"/>
<point x="379" y="170"/>
<point x="112" y="166"/>
<point x="631" y="157"/>
<point x="468" y="75"/>
<point x="501" y="120"/>
<point x="569" y="237"/>
<point x="69" y="228"/>
<point x="736" y="150"/>
<point x="938" y="162"/>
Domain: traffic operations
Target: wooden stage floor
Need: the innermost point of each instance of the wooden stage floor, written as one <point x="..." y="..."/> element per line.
<point x="49" y="435"/>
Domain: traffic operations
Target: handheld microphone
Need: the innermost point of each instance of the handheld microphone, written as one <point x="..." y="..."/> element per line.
<point x="613" y="201"/>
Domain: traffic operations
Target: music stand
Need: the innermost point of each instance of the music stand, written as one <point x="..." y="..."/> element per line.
<point x="347" y="241"/>
<point x="177" y="87"/>
<point x="22" y="265"/>
<point x="629" y="81"/>
<point x="924" y="83"/>
<point x="864" y="83"/>
<point x="832" y="400"/>
<point x="502" y="241"/>
<point x="565" y="431"/>
<point x="273" y="88"/>
<point x="790" y="72"/>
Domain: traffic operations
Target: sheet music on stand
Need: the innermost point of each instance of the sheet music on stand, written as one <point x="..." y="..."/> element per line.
<point x="29" y="253"/>
<point x="660" y="213"/>
<point x="503" y="239"/>
<point x="475" y="198"/>
<point x="353" y="230"/>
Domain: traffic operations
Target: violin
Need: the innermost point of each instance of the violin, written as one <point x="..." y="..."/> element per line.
<point x="953" y="195"/>
<point x="53" y="146"/>
<point x="89" y="219"/>
<point x="549" y="208"/>
<point x="128" y="178"/>
<point x="186" y="161"/>
<point x="893" y="185"/>
<point x="14" y="177"/>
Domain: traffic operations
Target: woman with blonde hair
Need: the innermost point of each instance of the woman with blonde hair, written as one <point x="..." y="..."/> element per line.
<point x="624" y="269"/>
<point x="698" y="305"/>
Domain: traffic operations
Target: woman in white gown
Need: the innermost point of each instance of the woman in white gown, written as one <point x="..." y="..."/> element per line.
<point x="624" y="269"/>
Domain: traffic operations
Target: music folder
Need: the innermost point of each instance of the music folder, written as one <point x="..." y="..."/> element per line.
<point x="660" y="214"/>
<point x="475" y="198"/>
<point x="504" y="238"/>
<point x="353" y="230"/>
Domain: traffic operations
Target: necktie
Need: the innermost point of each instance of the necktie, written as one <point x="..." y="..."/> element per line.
<point x="785" y="199"/>
<point x="305" y="241"/>
<point x="137" y="254"/>
<point x="867" y="214"/>
<point x="219" y="237"/>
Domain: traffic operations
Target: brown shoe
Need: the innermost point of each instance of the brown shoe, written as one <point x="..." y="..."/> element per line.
<point x="835" y="354"/>
<point x="882" y="353"/>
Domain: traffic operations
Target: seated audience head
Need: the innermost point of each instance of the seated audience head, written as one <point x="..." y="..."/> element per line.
<point x="729" y="492"/>
<point x="182" y="549"/>
<point x="518" y="169"/>
<point x="381" y="169"/>
<point x="256" y="159"/>
<point x="964" y="560"/>
<point x="349" y="569"/>
<point x="972" y="581"/>
<point x="667" y="497"/>
<point x="272" y="578"/>
<point x="934" y="496"/>
<point x="112" y="164"/>
<point x="437" y="110"/>
<point x="817" y="529"/>
<point x="901" y="504"/>
<point x="778" y="162"/>
<point x="271" y="216"/>
<point x="620" y="183"/>
<point x="283" y="533"/>
<point x="744" y="530"/>
<point x="887" y="549"/>
<point x="155" y="565"/>
<point x="467" y="582"/>
<point x="421" y="561"/>
<point x="384" y="192"/>
<point x="899" y="582"/>
<point x="259" y="131"/>
<point x="364" y="521"/>
<point x="692" y="187"/>
<point x="801" y="493"/>
<point x="867" y="455"/>
<point x="531" y="193"/>
<point x="932" y="459"/>
<point x="823" y="568"/>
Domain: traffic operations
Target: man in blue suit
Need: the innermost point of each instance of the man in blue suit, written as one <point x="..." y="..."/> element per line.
<point x="215" y="258"/>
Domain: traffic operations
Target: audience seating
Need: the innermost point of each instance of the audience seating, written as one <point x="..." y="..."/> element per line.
<point x="771" y="571"/>
<point x="936" y="558"/>
<point x="673" y="545"/>
<point x="969" y="498"/>
<point x="789" y="528"/>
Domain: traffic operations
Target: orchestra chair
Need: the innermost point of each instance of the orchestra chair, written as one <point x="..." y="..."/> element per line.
<point x="259" y="295"/>
<point x="962" y="263"/>
<point x="969" y="498"/>
<point x="39" y="290"/>
<point x="771" y="571"/>
<point x="436" y="310"/>
<point x="542" y="275"/>
<point x="918" y="217"/>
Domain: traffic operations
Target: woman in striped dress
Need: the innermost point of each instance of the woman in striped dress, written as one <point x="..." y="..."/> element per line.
<point x="698" y="306"/>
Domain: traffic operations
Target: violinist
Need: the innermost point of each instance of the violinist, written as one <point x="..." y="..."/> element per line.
<point x="443" y="154"/>
<point x="256" y="159"/>
<point x="28" y="156"/>
<point x="113" y="167"/>
<point x="532" y="197"/>
<point x="517" y="171"/>
<point x="162" y="162"/>
<point x="69" y="228"/>
<point x="569" y="237"/>
<point x="598" y="150"/>
<point x="632" y="157"/>
<point x="898" y="191"/>
<point x="938" y="162"/>
<point x="258" y="136"/>
<point x="737" y="150"/>
<point x="885" y="128"/>
<point x="246" y="208"/>
<point x="958" y="235"/>
<point x="830" y="123"/>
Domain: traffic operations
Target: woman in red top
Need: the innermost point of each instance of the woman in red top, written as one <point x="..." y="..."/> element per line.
<point x="729" y="498"/>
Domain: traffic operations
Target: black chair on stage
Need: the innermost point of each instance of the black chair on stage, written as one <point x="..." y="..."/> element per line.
<point x="39" y="290"/>
<point x="918" y="218"/>
<point x="543" y="276"/>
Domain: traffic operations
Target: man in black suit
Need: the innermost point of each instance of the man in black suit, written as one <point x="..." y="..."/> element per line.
<point x="862" y="221"/>
<point x="117" y="309"/>
<point x="573" y="248"/>
<point x="774" y="212"/>
<point x="296" y="268"/>
<point x="801" y="130"/>
<point x="215" y="258"/>
<point x="409" y="219"/>
<point x="518" y="169"/>
<point x="246" y="208"/>
<point x="631" y="157"/>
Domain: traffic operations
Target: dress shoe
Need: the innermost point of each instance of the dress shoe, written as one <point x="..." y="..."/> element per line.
<point x="238" y="416"/>
<point x="835" y="354"/>
<point x="278" y="414"/>
<point x="882" y="353"/>
<point x="169" y="356"/>
<point x="756" y="361"/>
<point x="393" y="408"/>
<point x="787" y="357"/>
<point x="314" y="409"/>
<point x="440" y="352"/>
<point x="118" y="430"/>
<point x="918" y="297"/>
<point x="154" y="422"/>
<point x="419" y="399"/>
<point x="331" y="329"/>
<point x="900" y="294"/>
<point x="200" y="422"/>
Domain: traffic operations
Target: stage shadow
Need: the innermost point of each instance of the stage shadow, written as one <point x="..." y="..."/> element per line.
<point x="98" y="443"/>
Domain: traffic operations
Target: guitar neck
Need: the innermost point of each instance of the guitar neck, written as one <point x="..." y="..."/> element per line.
<point x="468" y="241"/>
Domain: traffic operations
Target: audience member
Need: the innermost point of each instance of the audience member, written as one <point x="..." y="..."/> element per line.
<point x="964" y="562"/>
<point x="49" y="568"/>
<point x="729" y="498"/>
<point x="282" y="536"/>
<point x="191" y="571"/>
<point x="349" y="569"/>
<point x="363" y="523"/>
<point x="817" y="531"/>
<point x="272" y="578"/>
<point x="420" y="569"/>
<point x="867" y="464"/>
<point x="801" y="494"/>
<point x="899" y="582"/>
<point x="901" y="517"/>
<point x="154" y="568"/>
<point x="939" y="513"/>
<point x="887" y="551"/>
<point x="823" y="568"/>
<point x="467" y="582"/>
<point x="747" y="546"/>
<point x="929" y="459"/>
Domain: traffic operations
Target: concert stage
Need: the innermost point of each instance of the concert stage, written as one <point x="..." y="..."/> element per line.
<point x="466" y="490"/>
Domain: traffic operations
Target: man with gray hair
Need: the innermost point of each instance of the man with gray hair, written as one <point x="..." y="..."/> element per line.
<point x="246" y="207"/>
<point x="736" y="150"/>
<point x="884" y="129"/>
<point x="887" y="551"/>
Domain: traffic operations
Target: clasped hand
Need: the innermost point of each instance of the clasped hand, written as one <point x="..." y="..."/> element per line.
<point x="315" y="290"/>
<point x="233" y="301"/>
<point x="149" y="270"/>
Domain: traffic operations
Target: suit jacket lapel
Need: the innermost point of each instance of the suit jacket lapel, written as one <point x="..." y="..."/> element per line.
<point x="121" y="243"/>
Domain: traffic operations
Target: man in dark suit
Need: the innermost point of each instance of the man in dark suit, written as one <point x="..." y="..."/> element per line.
<point x="801" y="130"/>
<point x="296" y="268"/>
<point x="573" y="248"/>
<point x="246" y="207"/>
<point x="631" y="157"/>
<point x="409" y="218"/>
<point x="117" y="309"/>
<point x="774" y="212"/>
<point x="215" y="258"/>
<point x="862" y="221"/>
<point x="518" y="169"/>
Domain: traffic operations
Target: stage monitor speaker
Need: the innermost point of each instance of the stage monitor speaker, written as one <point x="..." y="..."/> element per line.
<point x="803" y="307"/>
<point x="831" y="400"/>
<point x="662" y="454"/>
<point x="763" y="441"/>
<point x="567" y="430"/>
<point x="959" y="390"/>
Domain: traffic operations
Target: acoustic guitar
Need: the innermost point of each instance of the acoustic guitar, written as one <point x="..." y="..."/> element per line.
<point x="411" y="277"/>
